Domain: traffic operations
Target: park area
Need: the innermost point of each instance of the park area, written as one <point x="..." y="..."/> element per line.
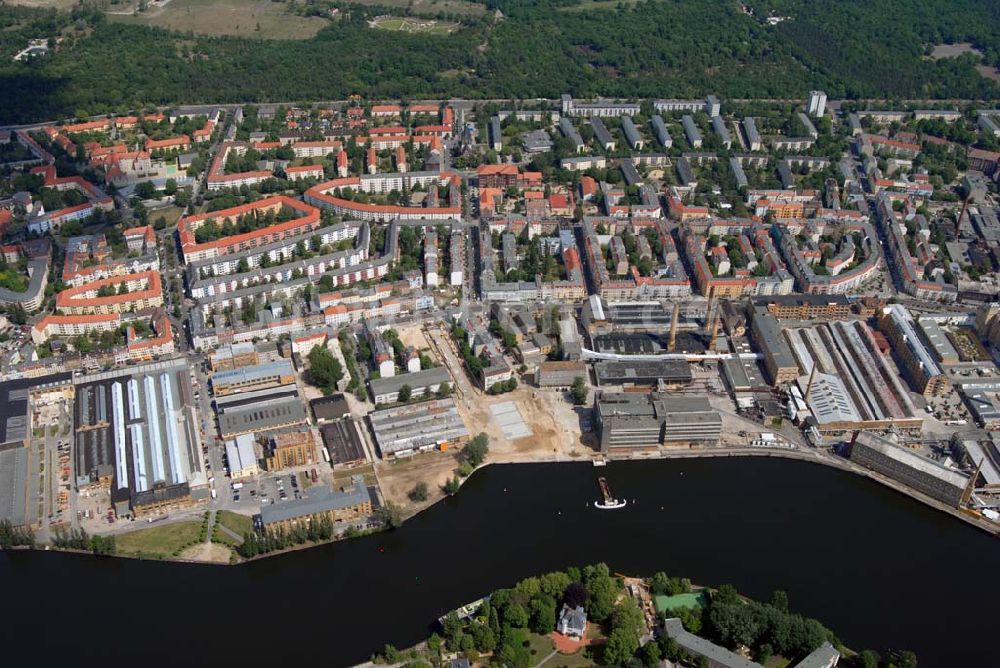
<point x="410" y="24"/>
<point x="261" y="19"/>
<point x="159" y="542"/>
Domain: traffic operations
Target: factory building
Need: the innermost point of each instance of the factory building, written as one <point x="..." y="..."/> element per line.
<point x="650" y="373"/>
<point x="386" y="390"/>
<point x="137" y="436"/>
<point x="637" y="421"/>
<point x="260" y="411"/>
<point x="913" y="470"/>
<point x="806" y="307"/>
<point x="250" y="378"/>
<point x="404" y="430"/>
<point x="922" y="369"/>
<point x="779" y="364"/>
<point x="350" y="504"/>
<point x="241" y="458"/>
<point x="846" y="382"/>
<point x="560" y="374"/>
<point x="232" y="356"/>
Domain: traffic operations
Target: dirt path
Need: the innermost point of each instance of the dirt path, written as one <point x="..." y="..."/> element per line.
<point x="208" y="552"/>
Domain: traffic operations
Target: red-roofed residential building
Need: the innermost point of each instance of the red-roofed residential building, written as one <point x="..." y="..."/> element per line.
<point x="126" y="122"/>
<point x="442" y="131"/>
<point x="140" y="239"/>
<point x="102" y="125"/>
<point x="181" y="143"/>
<point x="402" y="165"/>
<point x="388" y="131"/>
<point x="342" y="164"/>
<point x="497" y="176"/>
<point x="371" y="159"/>
<point x="69" y="326"/>
<point x="307" y="219"/>
<point x="144" y="291"/>
<point x="423" y="109"/>
<point x="385" y="110"/>
<point x="304" y="172"/>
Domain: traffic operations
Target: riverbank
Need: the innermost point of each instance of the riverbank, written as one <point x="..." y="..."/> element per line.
<point x="621" y="619"/>
<point x="812" y="457"/>
<point x="853" y="554"/>
<point x="410" y="511"/>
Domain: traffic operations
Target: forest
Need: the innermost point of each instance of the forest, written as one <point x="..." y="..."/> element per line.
<point x="654" y="48"/>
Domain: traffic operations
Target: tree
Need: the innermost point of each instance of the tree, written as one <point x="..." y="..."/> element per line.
<point x="576" y="594"/>
<point x="621" y="647"/>
<point x="475" y="451"/>
<point x="659" y="584"/>
<point x="868" y="659"/>
<point x="405" y="393"/>
<point x="543" y="614"/>
<point x="601" y="591"/>
<point x="515" y="616"/>
<point x="325" y="370"/>
<point x="389" y="516"/>
<point x="444" y="390"/>
<point x="452" y="485"/>
<point x="579" y="391"/>
<point x="170" y="187"/>
<point x="419" y="492"/>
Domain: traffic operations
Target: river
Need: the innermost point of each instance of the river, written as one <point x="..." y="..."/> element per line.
<point x="880" y="569"/>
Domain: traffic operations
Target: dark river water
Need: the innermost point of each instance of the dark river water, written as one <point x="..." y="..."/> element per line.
<point x="879" y="569"/>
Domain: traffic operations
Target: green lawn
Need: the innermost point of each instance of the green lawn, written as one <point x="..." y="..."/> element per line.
<point x="158" y="542"/>
<point x="539" y="646"/>
<point x="238" y="524"/>
<point x="588" y="5"/>
<point x="407" y="24"/>
<point x="13" y="280"/>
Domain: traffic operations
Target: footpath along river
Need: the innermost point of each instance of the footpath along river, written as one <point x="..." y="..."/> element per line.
<point x="880" y="569"/>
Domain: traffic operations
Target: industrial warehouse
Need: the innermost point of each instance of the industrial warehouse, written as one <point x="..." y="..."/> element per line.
<point x="137" y="438"/>
<point x="639" y="421"/>
<point x="843" y="382"/>
<point x="405" y="430"/>
<point x="260" y="411"/>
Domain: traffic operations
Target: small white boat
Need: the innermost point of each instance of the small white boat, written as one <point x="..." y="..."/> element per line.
<point x="608" y="502"/>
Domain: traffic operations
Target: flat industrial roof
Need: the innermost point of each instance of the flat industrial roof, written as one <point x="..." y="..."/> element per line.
<point x="343" y="441"/>
<point x="14" y="485"/>
<point x="912" y="459"/>
<point x="317" y="500"/>
<point x="14" y="404"/>
<point x="417" y="379"/>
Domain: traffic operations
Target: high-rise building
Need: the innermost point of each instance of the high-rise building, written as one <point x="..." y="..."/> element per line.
<point x="817" y="103"/>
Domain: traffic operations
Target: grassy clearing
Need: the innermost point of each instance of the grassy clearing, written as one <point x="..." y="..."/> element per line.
<point x="589" y="5"/>
<point x="409" y="24"/>
<point x="238" y="524"/>
<point x="461" y="7"/>
<point x="261" y="19"/>
<point x="170" y="213"/>
<point x="45" y="4"/>
<point x="158" y="542"/>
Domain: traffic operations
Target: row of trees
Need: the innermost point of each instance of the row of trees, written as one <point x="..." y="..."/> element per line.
<point x="503" y="622"/>
<point x="78" y="539"/>
<point x="12" y="536"/>
<point x="320" y="528"/>
<point x="689" y="49"/>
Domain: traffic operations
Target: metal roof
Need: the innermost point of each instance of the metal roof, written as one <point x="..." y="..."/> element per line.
<point x="316" y="500"/>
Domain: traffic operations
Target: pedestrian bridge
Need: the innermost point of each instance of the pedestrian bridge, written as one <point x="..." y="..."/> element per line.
<point x="687" y="357"/>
